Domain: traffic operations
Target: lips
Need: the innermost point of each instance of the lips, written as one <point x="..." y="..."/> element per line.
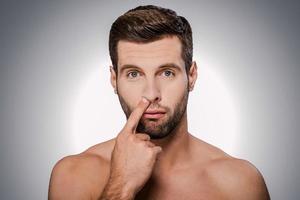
<point x="154" y="114"/>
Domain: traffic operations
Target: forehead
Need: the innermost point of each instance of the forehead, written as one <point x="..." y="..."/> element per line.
<point x="165" y="50"/>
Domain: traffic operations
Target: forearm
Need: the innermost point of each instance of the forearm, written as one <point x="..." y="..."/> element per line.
<point x="115" y="190"/>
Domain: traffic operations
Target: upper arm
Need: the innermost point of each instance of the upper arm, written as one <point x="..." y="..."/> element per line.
<point x="249" y="182"/>
<point x="239" y="179"/>
<point x="78" y="177"/>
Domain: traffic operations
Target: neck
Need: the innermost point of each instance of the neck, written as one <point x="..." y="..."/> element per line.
<point x="175" y="147"/>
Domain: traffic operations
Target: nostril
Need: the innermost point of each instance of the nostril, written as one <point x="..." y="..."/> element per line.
<point x="154" y="100"/>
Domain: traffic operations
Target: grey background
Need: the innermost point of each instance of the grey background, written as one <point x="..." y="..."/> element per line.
<point x="44" y="47"/>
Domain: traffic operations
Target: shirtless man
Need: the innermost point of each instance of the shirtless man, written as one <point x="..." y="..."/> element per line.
<point x="154" y="156"/>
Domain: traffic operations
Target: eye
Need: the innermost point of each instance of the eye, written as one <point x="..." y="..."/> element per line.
<point x="133" y="74"/>
<point x="168" y="73"/>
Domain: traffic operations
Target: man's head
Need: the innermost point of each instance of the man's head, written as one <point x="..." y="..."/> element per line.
<point x="145" y="24"/>
<point x="151" y="52"/>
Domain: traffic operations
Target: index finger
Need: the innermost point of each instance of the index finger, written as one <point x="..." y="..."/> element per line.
<point x="136" y="114"/>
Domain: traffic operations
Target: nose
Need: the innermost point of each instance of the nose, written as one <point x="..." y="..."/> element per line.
<point x="152" y="91"/>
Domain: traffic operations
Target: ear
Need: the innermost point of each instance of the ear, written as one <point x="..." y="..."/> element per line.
<point x="113" y="78"/>
<point x="193" y="74"/>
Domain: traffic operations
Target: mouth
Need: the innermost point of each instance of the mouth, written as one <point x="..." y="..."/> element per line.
<point x="153" y="114"/>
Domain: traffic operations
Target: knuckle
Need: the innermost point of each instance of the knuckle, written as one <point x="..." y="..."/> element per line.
<point x="119" y="139"/>
<point x="141" y="143"/>
<point x="147" y="137"/>
<point x="150" y="151"/>
<point x="122" y="133"/>
<point x="131" y="138"/>
<point x="144" y="136"/>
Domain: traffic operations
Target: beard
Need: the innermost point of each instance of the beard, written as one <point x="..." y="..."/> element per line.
<point x="159" y="128"/>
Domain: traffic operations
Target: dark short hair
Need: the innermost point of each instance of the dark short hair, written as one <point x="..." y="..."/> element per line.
<point x="149" y="23"/>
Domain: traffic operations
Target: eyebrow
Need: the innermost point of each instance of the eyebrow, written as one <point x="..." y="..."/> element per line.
<point x="166" y="65"/>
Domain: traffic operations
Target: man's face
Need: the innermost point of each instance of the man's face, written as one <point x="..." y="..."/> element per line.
<point x="156" y="71"/>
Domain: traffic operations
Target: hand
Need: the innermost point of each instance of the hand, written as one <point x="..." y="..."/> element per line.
<point x="134" y="155"/>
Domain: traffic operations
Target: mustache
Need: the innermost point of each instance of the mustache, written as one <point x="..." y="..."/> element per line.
<point x="128" y="109"/>
<point x="154" y="106"/>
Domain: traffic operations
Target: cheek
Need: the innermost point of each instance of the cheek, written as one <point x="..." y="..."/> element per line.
<point x="131" y="93"/>
<point x="174" y="91"/>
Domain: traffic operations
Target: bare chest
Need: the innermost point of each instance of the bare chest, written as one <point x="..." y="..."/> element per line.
<point x="178" y="187"/>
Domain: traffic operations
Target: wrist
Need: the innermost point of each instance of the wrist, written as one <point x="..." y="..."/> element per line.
<point x="118" y="190"/>
<point x="127" y="195"/>
<point x="128" y="192"/>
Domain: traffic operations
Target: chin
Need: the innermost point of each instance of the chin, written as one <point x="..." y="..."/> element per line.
<point x="156" y="132"/>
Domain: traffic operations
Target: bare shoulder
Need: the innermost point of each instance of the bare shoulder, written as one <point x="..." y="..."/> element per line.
<point x="81" y="176"/>
<point x="237" y="178"/>
<point x="233" y="178"/>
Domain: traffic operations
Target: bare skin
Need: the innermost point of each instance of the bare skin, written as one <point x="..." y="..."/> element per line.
<point x="133" y="166"/>
<point x="206" y="173"/>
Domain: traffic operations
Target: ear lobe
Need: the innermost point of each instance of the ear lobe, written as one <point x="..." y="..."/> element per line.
<point x="113" y="78"/>
<point x="193" y="74"/>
